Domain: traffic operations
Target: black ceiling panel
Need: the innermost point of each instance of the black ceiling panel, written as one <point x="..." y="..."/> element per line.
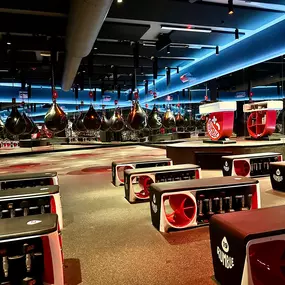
<point x="122" y="31"/>
<point x="55" y="6"/>
<point x="28" y="24"/>
<point x="215" y="39"/>
<point x="200" y="13"/>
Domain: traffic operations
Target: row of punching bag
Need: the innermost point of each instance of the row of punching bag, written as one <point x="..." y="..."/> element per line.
<point x="137" y="120"/>
<point x="18" y="124"/>
<point x="56" y="120"/>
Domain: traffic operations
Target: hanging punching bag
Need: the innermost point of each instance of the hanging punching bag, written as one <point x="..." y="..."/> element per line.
<point x="105" y="123"/>
<point x="168" y="119"/>
<point x="92" y="121"/>
<point x="187" y="119"/>
<point x="74" y="124"/>
<point x="2" y="127"/>
<point x="29" y="124"/>
<point x="55" y="119"/>
<point x="15" y="123"/>
<point x="137" y="118"/>
<point x="154" y="119"/>
<point x="79" y="124"/>
<point x="179" y="120"/>
<point x="35" y="128"/>
<point x="117" y="122"/>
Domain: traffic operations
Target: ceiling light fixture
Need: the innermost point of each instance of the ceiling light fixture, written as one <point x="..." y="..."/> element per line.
<point x="231" y="7"/>
<point x="217" y="50"/>
<point x="236" y="34"/>
<point x="148" y="44"/>
<point x="8" y="39"/>
<point x="45" y="54"/>
<point x="168" y="49"/>
<point x="186" y="29"/>
<point x="95" y="48"/>
<point x="119" y="1"/>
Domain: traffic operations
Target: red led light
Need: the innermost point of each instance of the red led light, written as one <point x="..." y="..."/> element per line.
<point x="52" y="205"/>
<point x="90" y="94"/>
<point x="189" y="27"/>
<point x="251" y="94"/>
<point x="54" y="94"/>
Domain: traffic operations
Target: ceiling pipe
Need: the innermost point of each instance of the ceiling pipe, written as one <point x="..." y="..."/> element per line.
<point x="85" y="21"/>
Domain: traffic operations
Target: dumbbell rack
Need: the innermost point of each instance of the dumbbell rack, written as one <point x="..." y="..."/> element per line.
<point x="30" y="251"/>
<point x="120" y="166"/>
<point x="186" y="204"/>
<point x="138" y="181"/>
<point x="31" y="201"/>
<point x="28" y="180"/>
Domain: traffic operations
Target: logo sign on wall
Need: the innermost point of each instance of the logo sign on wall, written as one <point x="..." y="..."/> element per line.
<point x="107" y="98"/>
<point x="23" y="94"/>
<point x="213" y="128"/>
<point x="187" y="77"/>
<point x="240" y="95"/>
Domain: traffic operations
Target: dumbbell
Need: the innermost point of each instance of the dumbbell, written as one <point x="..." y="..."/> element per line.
<point x="229" y="204"/>
<point x="25" y="206"/>
<point x="249" y="200"/>
<point x="5" y="265"/>
<point x="200" y="199"/>
<point x="41" y="204"/>
<point x="28" y="250"/>
<point x="34" y="210"/>
<point x="29" y="281"/>
<point x="221" y="206"/>
<point x="210" y="211"/>
<point x="16" y="268"/>
<point x="11" y="209"/>
<point x="241" y="202"/>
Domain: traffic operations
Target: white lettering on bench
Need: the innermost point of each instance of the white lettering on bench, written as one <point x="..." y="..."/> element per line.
<point x="277" y="177"/>
<point x="226" y="260"/>
<point x="153" y="204"/>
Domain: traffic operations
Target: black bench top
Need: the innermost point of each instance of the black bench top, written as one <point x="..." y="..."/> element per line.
<point x="17" y="176"/>
<point x="167" y="168"/>
<point x="205" y="183"/>
<point x="28" y="226"/>
<point x="251" y="155"/>
<point x="28" y="191"/>
<point x="154" y="160"/>
<point x="246" y="224"/>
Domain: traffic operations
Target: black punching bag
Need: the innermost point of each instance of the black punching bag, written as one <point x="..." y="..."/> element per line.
<point x="179" y="120"/>
<point x="187" y="119"/>
<point x="79" y="124"/>
<point x="154" y="119"/>
<point x="117" y="121"/>
<point x="105" y="123"/>
<point x="2" y="127"/>
<point x="168" y="119"/>
<point x="15" y="123"/>
<point x="137" y="118"/>
<point x="92" y="121"/>
<point x="74" y="124"/>
<point x="55" y="119"/>
<point x="29" y="124"/>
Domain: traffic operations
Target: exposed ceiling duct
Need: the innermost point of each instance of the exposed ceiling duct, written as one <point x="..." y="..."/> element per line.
<point x="85" y="21"/>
